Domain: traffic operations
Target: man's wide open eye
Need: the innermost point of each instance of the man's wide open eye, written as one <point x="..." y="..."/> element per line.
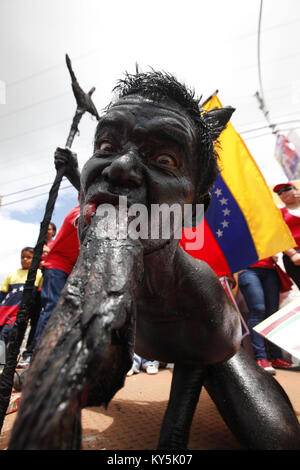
<point x="166" y="159"/>
<point x="106" y="146"/>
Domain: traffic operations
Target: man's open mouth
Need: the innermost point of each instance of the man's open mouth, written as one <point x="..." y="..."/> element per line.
<point x="90" y="207"/>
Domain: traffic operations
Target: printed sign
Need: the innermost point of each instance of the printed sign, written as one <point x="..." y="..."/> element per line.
<point x="283" y="328"/>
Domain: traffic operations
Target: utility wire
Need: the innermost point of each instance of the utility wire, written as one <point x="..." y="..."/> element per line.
<point x="260" y="95"/>
<point x="265" y="127"/>
<point x="37" y="129"/>
<point x="53" y="67"/>
<point x="85" y="143"/>
<point x="33" y="197"/>
<point x="258" y="52"/>
<point x="26" y="177"/>
<point x="30" y="106"/>
<point x="32" y="131"/>
<point x="98" y="50"/>
<point x="266" y="133"/>
<point x="27" y="189"/>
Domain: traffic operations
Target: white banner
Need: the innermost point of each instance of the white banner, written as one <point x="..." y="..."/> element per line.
<point x="287" y="156"/>
<point x="283" y="328"/>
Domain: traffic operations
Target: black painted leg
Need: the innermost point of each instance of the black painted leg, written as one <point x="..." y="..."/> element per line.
<point x="253" y="404"/>
<point x="185" y="390"/>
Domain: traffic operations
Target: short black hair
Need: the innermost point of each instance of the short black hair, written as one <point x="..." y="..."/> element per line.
<point x="164" y="87"/>
<point x="28" y="248"/>
<point x="53" y="226"/>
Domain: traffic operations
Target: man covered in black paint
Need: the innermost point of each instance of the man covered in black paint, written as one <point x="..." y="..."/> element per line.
<point x="153" y="146"/>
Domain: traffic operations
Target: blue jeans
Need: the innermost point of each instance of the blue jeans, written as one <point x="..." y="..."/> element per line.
<point x="53" y="283"/>
<point x="4" y="332"/>
<point x="261" y="289"/>
<point x="139" y="362"/>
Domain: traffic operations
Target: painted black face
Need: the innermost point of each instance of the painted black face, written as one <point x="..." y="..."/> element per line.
<point x="144" y="151"/>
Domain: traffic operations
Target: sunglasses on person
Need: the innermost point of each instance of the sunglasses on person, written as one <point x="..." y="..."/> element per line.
<point x="283" y="190"/>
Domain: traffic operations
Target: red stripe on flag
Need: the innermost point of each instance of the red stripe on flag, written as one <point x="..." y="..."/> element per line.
<point x="8" y="314"/>
<point x="211" y="253"/>
<point x="280" y="320"/>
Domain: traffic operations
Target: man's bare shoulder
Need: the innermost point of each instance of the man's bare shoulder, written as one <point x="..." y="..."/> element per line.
<point x="196" y="272"/>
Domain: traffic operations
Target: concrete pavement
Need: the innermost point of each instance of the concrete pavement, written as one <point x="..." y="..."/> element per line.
<point x="133" y="418"/>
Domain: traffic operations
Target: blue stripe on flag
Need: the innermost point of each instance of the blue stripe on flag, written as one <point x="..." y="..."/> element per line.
<point x="230" y="229"/>
<point x="14" y="295"/>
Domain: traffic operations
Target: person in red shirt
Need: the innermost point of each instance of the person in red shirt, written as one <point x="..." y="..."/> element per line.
<point x="65" y="248"/>
<point x="51" y="234"/>
<point x="49" y="242"/>
<point x="260" y="286"/>
<point x="35" y="312"/>
<point x="290" y="196"/>
<point x="57" y="266"/>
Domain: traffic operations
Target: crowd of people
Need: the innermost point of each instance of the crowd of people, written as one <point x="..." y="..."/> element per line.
<point x="260" y="285"/>
<point x="58" y="259"/>
<point x="11" y="292"/>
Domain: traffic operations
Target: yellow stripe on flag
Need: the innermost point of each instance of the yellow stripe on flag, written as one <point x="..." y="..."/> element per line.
<point x="244" y="179"/>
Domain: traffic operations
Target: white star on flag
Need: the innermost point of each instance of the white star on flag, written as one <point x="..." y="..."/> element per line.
<point x="218" y="192"/>
<point x="226" y="212"/>
<point x="223" y="201"/>
<point x="225" y="223"/>
<point x="219" y="233"/>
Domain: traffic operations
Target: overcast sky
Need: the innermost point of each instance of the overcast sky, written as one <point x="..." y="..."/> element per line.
<point x="209" y="45"/>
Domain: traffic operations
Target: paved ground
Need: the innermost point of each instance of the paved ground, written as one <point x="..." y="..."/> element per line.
<point x="133" y="418"/>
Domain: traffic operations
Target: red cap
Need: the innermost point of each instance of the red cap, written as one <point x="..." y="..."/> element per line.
<point x="283" y="185"/>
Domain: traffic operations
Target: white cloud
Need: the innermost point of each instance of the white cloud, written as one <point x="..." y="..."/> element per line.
<point x="14" y="236"/>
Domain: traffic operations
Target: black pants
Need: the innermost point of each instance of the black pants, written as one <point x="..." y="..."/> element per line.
<point x="292" y="270"/>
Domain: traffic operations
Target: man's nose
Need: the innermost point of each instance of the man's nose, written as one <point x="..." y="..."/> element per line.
<point x="124" y="170"/>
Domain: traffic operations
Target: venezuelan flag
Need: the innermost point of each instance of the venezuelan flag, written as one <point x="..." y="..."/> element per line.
<point x="242" y="224"/>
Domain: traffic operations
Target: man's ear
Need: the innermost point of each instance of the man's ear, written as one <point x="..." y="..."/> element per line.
<point x="216" y="120"/>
